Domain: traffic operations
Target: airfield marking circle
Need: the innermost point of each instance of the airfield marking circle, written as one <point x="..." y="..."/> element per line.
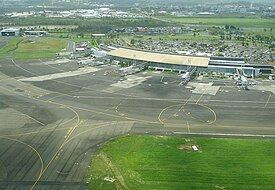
<point x="187" y="112"/>
<point x="4" y="172"/>
<point x="30" y="147"/>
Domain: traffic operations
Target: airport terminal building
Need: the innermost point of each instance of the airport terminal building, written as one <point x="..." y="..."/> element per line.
<point x="183" y="63"/>
<point x="229" y="65"/>
<point x="160" y="61"/>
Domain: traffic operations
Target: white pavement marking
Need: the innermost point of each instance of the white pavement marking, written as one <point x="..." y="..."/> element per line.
<point x="265" y="88"/>
<point x="81" y="71"/>
<point x="111" y="89"/>
<point x="202" y="88"/>
<point x="52" y="62"/>
<point x="161" y="79"/>
<point x="174" y="99"/>
<point x="130" y="82"/>
<point x="267" y="100"/>
<point x="26" y="89"/>
<point x="11" y="118"/>
<point x="59" y="61"/>
<point x="225" y="134"/>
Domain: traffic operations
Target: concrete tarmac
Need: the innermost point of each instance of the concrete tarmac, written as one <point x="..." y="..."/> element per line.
<point x="50" y="129"/>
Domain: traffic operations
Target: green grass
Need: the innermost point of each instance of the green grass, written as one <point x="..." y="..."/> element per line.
<point x="32" y="48"/>
<point x="148" y="162"/>
<point x="10" y="46"/>
<point x="255" y="22"/>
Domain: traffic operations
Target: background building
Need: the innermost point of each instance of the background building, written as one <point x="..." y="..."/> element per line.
<point x="35" y="33"/>
<point x="10" y="32"/>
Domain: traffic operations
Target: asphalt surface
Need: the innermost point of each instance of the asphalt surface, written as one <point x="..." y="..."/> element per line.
<point x="50" y="129"/>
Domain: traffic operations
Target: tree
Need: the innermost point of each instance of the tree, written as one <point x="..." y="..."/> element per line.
<point x="232" y="27"/>
<point x="132" y="41"/>
<point x="81" y="35"/>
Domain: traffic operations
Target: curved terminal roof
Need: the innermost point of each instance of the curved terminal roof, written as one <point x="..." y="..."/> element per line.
<point x="10" y="30"/>
<point x="160" y="57"/>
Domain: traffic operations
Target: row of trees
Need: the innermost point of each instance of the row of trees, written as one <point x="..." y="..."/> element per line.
<point x="102" y="25"/>
<point x="106" y="24"/>
<point x="230" y="32"/>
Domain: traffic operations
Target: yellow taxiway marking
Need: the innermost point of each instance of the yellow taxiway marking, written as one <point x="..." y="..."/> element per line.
<point x="36" y="152"/>
<point x="199" y="98"/>
<point x="70" y="130"/>
<point x="202" y="95"/>
<point x="188" y="113"/>
<point x="99" y="126"/>
<point x="41" y="131"/>
<point x="57" y="153"/>
<point x="182" y="107"/>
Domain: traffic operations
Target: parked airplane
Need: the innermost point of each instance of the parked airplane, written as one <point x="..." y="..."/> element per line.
<point x="185" y="77"/>
<point x="89" y="62"/>
<point x="131" y="69"/>
<point x="86" y="61"/>
<point x="128" y="70"/>
<point x="98" y="53"/>
<point x="241" y="80"/>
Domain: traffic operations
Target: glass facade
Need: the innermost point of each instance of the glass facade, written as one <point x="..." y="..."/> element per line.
<point x="167" y="66"/>
<point x="249" y="71"/>
<point x="227" y="68"/>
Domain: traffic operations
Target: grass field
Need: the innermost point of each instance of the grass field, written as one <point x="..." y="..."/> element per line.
<point x="9" y="45"/>
<point x="31" y="48"/>
<point x="148" y="162"/>
<point x="255" y="22"/>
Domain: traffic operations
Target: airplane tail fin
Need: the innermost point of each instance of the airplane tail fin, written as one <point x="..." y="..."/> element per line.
<point x="240" y="72"/>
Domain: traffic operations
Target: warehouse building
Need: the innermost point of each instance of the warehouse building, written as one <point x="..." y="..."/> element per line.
<point x="98" y="35"/>
<point x="10" y="32"/>
<point x="35" y="33"/>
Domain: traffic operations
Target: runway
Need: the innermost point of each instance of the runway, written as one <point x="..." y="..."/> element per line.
<point x="51" y="128"/>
